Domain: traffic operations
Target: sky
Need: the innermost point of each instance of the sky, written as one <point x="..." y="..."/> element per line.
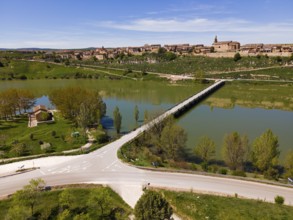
<point x="117" y="23"/>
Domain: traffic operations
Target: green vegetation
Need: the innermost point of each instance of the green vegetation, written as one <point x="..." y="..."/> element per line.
<point x="199" y="206"/>
<point x="152" y="205"/>
<point x="162" y="143"/>
<point x="17" y="139"/>
<point x="253" y="95"/>
<point x="189" y="65"/>
<point x="73" y="202"/>
<point x="281" y="73"/>
<point x="80" y="105"/>
<point x="163" y="146"/>
<point x="117" y="119"/>
<point x="21" y="69"/>
<point x="279" y="200"/>
<point x="15" y="101"/>
<point x="235" y="150"/>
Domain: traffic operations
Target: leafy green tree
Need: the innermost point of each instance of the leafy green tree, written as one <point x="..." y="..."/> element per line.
<point x="173" y="140"/>
<point x="66" y="198"/>
<point x="205" y="149"/>
<point x="153" y="206"/>
<point x="17" y="212"/>
<point x="30" y="194"/>
<point x="100" y="200"/>
<point x="117" y="119"/>
<point x="237" y="57"/>
<point x="265" y="151"/>
<point x="289" y="164"/>
<point x="136" y="113"/>
<point x="235" y="150"/>
<point x="75" y="103"/>
<point x="65" y="215"/>
<point x="279" y="200"/>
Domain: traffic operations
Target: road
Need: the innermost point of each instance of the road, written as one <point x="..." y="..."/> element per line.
<point x="103" y="167"/>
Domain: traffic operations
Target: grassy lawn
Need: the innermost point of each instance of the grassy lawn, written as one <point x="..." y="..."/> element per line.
<point x="14" y="133"/>
<point x="199" y="206"/>
<point x="48" y="204"/>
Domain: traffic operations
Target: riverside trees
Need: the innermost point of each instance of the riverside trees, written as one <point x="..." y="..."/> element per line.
<point x="15" y="101"/>
<point x="82" y="106"/>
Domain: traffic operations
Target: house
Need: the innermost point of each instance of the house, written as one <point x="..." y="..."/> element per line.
<point x="40" y="114"/>
<point x="226" y="46"/>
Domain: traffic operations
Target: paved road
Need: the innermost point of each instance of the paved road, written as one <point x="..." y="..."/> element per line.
<point x="103" y="166"/>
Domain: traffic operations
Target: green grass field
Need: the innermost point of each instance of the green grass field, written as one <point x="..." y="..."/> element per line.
<point x="18" y="69"/>
<point x="48" y="205"/>
<point x="17" y="132"/>
<point x="199" y="206"/>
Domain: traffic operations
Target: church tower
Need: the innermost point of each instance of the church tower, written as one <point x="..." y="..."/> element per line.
<point x="216" y="39"/>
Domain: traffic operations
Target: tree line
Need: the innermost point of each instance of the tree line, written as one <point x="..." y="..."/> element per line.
<point x="15" y="101"/>
<point x="262" y="156"/>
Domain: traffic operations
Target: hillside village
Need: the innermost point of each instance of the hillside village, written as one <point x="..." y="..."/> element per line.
<point x="217" y="49"/>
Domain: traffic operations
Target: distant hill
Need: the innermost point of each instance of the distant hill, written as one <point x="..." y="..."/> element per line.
<point x="44" y="49"/>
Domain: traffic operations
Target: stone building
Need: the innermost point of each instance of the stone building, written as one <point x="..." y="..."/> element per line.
<point x="226" y="46"/>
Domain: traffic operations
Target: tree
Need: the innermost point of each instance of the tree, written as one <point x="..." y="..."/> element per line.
<point x="31" y="193"/>
<point x="265" y="151"/>
<point x="17" y="212"/>
<point x="199" y="74"/>
<point x="152" y="205"/>
<point x="205" y="149"/>
<point x="100" y="200"/>
<point x="146" y="116"/>
<point x="65" y="199"/>
<point x="235" y="150"/>
<point x="279" y="200"/>
<point x="82" y="106"/>
<point x="237" y="57"/>
<point x="173" y="139"/>
<point x="65" y="215"/>
<point x="136" y="113"/>
<point x="117" y="119"/>
<point x="289" y="164"/>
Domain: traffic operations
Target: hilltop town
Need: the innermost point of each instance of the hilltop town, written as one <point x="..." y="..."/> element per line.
<point x="217" y="49"/>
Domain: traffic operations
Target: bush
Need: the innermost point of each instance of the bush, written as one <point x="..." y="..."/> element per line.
<point x="237" y="57"/>
<point x="272" y="174"/>
<point x="279" y="200"/>
<point x="23" y="77"/>
<point x="223" y="171"/>
<point x="239" y="173"/>
<point x="53" y="133"/>
<point x="152" y="205"/>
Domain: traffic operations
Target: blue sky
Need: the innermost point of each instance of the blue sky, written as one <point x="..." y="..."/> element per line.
<point x="113" y="23"/>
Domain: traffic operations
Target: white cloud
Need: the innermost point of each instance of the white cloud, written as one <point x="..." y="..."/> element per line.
<point x="198" y="25"/>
